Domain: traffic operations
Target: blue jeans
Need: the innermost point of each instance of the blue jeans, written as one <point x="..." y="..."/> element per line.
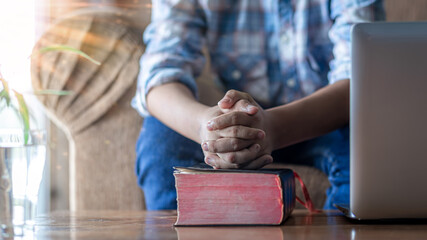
<point x="159" y="149"/>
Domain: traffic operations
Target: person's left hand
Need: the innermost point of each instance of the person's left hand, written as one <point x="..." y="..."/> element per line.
<point x="229" y="148"/>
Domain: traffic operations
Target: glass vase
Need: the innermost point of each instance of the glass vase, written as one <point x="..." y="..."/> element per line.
<point x="22" y="160"/>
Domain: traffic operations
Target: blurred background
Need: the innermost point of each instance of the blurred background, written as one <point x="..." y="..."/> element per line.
<point x="22" y="23"/>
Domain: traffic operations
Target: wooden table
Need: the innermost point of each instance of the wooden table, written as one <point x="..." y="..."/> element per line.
<point x="159" y="225"/>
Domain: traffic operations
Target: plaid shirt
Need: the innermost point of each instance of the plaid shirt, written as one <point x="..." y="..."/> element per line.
<point x="276" y="50"/>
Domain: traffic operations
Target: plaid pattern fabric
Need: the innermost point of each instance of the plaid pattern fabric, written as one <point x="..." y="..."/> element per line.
<point x="276" y="50"/>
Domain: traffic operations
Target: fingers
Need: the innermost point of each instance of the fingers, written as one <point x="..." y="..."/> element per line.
<point x="235" y="125"/>
<point x="230" y="119"/>
<point x="259" y="162"/>
<point x="224" y="145"/>
<point x="234" y="159"/>
<point x="214" y="161"/>
<point x="233" y="96"/>
<point x="241" y="132"/>
<point x="242" y="106"/>
<point x="241" y="157"/>
<point x="224" y="162"/>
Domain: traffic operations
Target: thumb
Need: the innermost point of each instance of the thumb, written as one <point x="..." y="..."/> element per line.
<point x="242" y="106"/>
<point x="237" y="101"/>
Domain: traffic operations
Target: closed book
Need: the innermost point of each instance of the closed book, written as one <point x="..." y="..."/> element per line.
<point x="234" y="197"/>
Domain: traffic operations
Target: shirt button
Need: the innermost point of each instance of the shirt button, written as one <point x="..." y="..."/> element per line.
<point x="291" y="82"/>
<point x="236" y="75"/>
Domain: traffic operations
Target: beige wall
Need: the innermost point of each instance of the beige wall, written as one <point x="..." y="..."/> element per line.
<point x="406" y="10"/>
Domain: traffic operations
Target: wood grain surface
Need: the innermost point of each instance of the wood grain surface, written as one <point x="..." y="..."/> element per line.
<point x="159" y="225"/>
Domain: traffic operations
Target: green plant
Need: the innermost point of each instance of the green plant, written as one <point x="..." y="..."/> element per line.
<point x="7" y="93"/>
<point x="65" y="48"/>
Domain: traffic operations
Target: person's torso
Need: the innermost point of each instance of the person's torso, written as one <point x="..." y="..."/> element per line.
<point x="278" y="51"/>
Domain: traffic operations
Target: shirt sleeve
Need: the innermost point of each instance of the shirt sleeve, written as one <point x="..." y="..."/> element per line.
<point x="173" y="53"/>
<point x="344" y="14"/>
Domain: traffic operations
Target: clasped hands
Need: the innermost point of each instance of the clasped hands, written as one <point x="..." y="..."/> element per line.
<point x="235" y="133"/>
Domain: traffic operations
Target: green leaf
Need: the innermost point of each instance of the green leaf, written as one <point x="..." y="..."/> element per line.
<point x="2" y="106"/>
<point x="5" y="93"/>
<point x="23" y="110"/>
<point x="68" y="49"/>
<point x="52" y="92"/>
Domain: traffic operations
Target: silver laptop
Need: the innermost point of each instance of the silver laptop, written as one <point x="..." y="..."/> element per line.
<point x="388" y="121"/>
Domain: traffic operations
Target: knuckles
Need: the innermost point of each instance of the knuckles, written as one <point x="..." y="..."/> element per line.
<point x="235" y="144"/>
<point x="231" y="158"/>
<point x="231" y="94"/>
<point x="234" y="131"/>
<point x="213" y="147"/>
<point x="234" y="119"/>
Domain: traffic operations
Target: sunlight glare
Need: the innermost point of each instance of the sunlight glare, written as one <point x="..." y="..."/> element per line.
<point x="17" y="34"/>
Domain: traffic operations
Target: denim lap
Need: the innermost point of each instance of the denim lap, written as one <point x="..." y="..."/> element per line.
<point x="159" y="149"/>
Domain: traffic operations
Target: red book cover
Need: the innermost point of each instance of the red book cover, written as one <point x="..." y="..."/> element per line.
<point x="234" y="197"/>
